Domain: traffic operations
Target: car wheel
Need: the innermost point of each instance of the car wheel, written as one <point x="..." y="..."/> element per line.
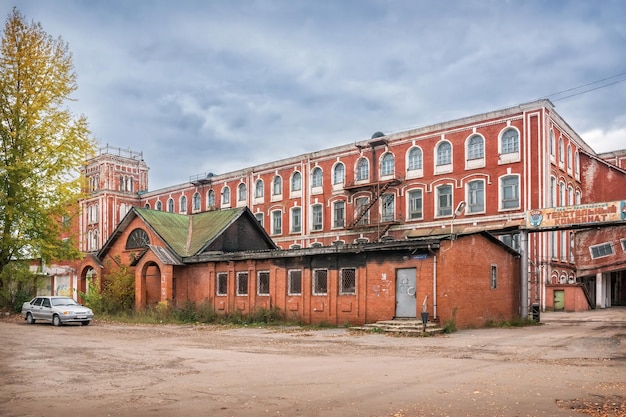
<point x="86" y="323"/>
<point x="30" y="319"/>
<point x="56" y="320"/>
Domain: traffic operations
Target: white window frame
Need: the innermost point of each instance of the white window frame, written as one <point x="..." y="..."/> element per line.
<point x="240" y="275"/>
<point x="501" y="199"/>
<point x="277" y="222"/>
<point x="259" y="286"/>
<point x="415" y="165"/>
<point x="295" y="222"/>
<point x="443" y="158"/>
<point x="438" y="196"/>
<point x="317" y="217"/>
<point x="473" y="206"/>
<point x="290" y="279"/>
<point x="606" y="248"/>
<point x="411" y="206"/>
<point x="339" y="221"/>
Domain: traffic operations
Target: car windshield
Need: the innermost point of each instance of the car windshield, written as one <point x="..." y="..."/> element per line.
<point x="63" y="302"/>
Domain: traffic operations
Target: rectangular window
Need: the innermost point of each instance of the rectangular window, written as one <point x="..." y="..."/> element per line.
<point x="277" y="222"/>
<point x="444" y="200"/>
<point x="476" y="196"/>
<point x="602" y="250"/>
<point x="415" y="204"/>
<point x="388" y="211"/>
<point x="222" y="283"/>
<point x="361" y="213"/>
<point x="259" y="218"/>
<point x="494" y="277"/>
<point x="348" y="281"/>
<point x="242" y="283"/>
<point x="339" y="210"/>
<point x="510" y="192"/>
<point x="296" y="220"/>
<point x="295" y="282"/>
<point x="320" y="282"/>
<point x="623" y="242"/>
<point x="316" y="214"/>
<point x="263" y="284"/>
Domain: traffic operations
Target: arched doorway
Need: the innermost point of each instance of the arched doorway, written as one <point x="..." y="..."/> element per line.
<point x="150" y="284"/>
<point x="87" y="282"/>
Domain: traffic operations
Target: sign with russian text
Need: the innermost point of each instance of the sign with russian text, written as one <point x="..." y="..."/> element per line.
<point x="561" y="217"/>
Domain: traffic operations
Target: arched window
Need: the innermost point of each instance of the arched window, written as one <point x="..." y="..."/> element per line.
<point x="576" y="163"/>
<point x="296" y="181"/>
<point x="226" y="195"/>
<point x="277" y="186"/>
<point x="241" y="192"/>
<point x="444" y="153"/>
<point x="509" y="142"/>
<point x="137" y="239"/>
<point x="258" y="189"/>
<point x="147" y="205"/>
<point x="170" y="205"/>
<point x="210" y="199"/>
<point x="159" y="206"/>
<point x="551" y="142"/>
<point x="362" y="170"/>
<point x="316" y="177"/>
<point x="415" y="159"/>
<point x="339" y="174"/>
<point x="183" y="205"/>
<point x="387" y="164"/>
<point x="196" y="202"/>
<point x="569" y="157"/>
<point x="561" y="151"/>
<point x="475" y="147"/>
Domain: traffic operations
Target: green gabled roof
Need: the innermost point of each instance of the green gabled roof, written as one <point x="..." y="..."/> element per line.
<point x="185" y="234"/>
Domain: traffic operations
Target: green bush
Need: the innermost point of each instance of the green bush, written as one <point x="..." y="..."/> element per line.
<point x="17" y="285"/>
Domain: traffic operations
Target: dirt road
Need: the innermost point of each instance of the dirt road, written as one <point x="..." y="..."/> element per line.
<point x="128" y="370"/>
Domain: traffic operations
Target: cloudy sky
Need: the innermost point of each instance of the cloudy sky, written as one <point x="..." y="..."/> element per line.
<point x="213" y="86"/>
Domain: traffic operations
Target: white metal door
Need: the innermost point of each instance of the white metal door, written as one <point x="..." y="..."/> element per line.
<point x="406" y="304"/>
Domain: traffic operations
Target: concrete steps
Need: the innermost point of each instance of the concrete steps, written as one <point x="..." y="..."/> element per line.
<point x="400" y="327"/>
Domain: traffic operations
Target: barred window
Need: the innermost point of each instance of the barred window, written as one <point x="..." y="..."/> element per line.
<point x="320" y="282"/>
<point x="222" y="283"/>
<point x="263" y="283"/>
<point x="348" y="281"/>
<point x="295" y="282"/>
<point x="242" y="283"/>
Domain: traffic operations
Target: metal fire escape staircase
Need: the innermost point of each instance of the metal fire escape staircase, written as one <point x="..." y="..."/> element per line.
<point x="380" y="189"/>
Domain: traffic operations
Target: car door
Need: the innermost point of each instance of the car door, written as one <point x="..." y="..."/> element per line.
<point x="35" y="308"/>
<point x="46" y="310"/>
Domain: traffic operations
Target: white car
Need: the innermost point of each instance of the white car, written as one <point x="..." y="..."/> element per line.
<point x="56" y="309"/>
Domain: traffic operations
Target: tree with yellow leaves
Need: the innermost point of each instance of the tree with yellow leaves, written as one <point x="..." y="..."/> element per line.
<point x="42" y="144"/>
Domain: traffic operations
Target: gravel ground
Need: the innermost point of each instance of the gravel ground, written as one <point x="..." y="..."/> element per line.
<point x="571" y="365"/>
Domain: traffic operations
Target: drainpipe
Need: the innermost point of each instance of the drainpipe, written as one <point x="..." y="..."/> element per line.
<point x="434" y="283"/>
<point x="523" y="274"/>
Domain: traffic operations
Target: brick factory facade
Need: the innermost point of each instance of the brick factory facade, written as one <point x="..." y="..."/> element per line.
<point x="461" y="177"/>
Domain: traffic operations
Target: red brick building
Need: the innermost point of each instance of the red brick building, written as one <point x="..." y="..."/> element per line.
<point x="478" y="173"/>
<point x="225" y="258"/>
